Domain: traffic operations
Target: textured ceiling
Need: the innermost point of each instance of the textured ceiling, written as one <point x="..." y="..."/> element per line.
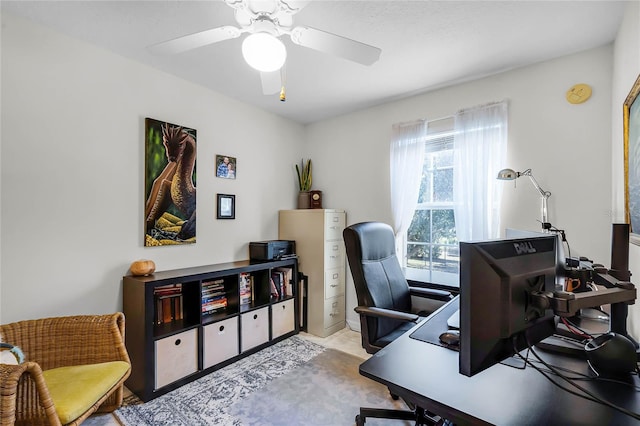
<point x="425" y="44"/>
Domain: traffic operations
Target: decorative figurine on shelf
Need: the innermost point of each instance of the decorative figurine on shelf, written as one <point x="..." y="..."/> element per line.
<point x="142" y="267"/>
<point x="316" y="199"/>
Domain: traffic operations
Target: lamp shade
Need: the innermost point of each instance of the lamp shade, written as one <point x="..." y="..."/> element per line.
<point x="507" y="174"/>
<point x="264" y="52"/>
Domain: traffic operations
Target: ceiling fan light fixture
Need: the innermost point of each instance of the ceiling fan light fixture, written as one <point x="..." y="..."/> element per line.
<point x="264" y="52"/>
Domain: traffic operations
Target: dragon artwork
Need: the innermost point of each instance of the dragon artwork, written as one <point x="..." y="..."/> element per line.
<point x="174" y="185"/>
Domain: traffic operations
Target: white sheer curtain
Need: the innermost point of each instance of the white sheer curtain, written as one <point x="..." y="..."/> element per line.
<point x="480" y="148"/>
<point x="407" y="152"/>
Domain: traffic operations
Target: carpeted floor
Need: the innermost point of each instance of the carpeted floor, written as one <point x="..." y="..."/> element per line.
<point x="294" y="382"/>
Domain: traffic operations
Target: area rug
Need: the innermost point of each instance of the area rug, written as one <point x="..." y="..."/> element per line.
<point x="293" y="382"/>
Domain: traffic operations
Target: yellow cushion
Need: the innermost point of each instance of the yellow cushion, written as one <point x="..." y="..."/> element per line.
<point x="75" y="389"/>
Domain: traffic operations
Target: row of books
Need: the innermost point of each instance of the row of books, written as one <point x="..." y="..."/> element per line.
<point x="281" y="282"/>
<point x="169" y="299"/>
<point x="168" y="303"/>
<point x="214" y="297"/>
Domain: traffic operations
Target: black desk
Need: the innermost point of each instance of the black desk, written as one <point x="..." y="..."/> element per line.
<point x="427" y="375"/>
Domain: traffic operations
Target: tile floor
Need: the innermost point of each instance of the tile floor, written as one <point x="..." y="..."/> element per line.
<point x="345" y="340"/>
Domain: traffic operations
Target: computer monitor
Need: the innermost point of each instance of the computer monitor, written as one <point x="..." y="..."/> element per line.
<point x="499" y="311"/>
<point x="561" y="260"/>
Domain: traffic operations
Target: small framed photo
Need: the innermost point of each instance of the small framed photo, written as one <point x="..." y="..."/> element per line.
<point x="225" y="167"/>
<point x="226" y="206"/>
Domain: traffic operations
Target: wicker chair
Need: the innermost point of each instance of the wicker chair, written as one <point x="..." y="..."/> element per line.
<point x="51" y="343"/>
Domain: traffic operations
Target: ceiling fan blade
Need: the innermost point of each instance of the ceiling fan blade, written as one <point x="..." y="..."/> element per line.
<point x="193" y="41"/>
<point x="343" y="47"/>
<point x="293" y="6"/>
<point x="271" y="82"/>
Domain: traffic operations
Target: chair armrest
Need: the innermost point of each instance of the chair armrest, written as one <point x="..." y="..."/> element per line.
<point x="386" y="313"/>
<point x="431" y="293"/>
<point x="24" y="396"/>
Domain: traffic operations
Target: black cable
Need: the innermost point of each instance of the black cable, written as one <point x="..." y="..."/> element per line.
<point x="564" y="237"/>
<point x="578" y="328"/>
<point x="588" y="378"/>
<point x="589" y="395"/>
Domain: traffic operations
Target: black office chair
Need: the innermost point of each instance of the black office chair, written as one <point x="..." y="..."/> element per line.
<point x="384" y="301"/>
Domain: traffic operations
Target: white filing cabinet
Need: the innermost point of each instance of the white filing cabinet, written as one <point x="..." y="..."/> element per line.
<point x="321" y="256"/>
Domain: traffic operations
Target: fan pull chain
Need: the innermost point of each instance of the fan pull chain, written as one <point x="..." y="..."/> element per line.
<point x="283" y="75"/>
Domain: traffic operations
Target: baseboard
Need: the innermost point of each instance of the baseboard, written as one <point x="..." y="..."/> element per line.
<point x="354" y="325"/>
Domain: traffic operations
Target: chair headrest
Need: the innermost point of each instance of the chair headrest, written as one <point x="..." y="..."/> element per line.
<point x="376" y="239"/>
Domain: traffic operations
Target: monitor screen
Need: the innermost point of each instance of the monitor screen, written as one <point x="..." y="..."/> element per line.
<point x="498" y="310"/>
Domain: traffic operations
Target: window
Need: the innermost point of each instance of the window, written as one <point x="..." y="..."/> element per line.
<point x="431" y="242"/>
<point x="463" y="182"/>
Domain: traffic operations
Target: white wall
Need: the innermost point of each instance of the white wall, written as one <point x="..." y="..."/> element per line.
<point x="72" y="160"/>
<point x="626" y="66"/>
<point x="72" y="172"/>
<point x="567" y="146"/>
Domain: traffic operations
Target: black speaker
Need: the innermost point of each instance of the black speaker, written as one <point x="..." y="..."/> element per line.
<point x="620" y="252"/>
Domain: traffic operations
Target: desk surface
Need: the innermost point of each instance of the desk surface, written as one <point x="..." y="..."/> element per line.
<point x="427" y="375"/>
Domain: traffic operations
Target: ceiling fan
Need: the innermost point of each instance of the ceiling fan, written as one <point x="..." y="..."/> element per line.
<point x="266" y="21"/>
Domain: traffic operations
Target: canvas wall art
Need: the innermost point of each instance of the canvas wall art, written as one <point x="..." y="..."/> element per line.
<point x="170" y="184"/>
<point x="631" y="121"/>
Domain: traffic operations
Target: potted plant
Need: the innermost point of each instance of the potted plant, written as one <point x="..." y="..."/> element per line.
<point x="304" y="183"/>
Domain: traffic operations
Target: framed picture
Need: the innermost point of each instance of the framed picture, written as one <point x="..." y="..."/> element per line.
<point x="226" y="206"/>
<point x="631" y="122"/>
<point x="170" y="184"/>
<point x="225" y="167"/>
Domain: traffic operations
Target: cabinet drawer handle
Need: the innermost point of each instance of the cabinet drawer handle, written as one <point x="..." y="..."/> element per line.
<point x="255" y="316"/>
<point x="177" y="342"/>
<point x="283" y="307"/>
<point x="335" y="276"/>
<point x="221" y="328"/>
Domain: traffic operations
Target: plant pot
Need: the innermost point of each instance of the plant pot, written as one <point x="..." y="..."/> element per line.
<point x="304" y="200"/>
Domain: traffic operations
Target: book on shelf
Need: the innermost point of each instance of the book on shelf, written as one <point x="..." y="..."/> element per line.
<point x="164" y="290"/>
<point x="273" y="288"/>
<point x="213" y="297"/>
<point x="213" y="285"/>
<point x="168" y="303"/>
<point x="214" y="305"/>
<point x="287" y="280"/>
<point x="246" y="288"/>
<point x="282" y="280"/>
<point x="168" y="308"/>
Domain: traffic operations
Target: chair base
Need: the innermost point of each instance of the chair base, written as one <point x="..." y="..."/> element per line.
<point x="420" y="416"/>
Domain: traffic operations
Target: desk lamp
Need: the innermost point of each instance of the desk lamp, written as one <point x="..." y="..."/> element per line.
<point x="509" y="174"/>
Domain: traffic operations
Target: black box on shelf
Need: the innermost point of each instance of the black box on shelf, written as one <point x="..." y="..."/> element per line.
<point x="272" y="250"/>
